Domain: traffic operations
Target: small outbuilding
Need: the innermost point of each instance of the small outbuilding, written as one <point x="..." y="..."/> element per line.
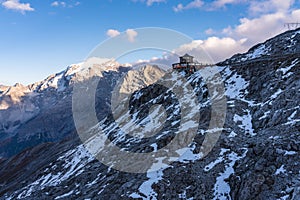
<point x="186" y="63"/>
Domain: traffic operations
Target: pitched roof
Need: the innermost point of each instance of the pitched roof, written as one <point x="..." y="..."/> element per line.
<point x="186" y="55"/>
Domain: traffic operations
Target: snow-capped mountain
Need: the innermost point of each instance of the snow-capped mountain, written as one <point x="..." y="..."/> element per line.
<point x="255" y="157"/>
<point x="48" y="102"/>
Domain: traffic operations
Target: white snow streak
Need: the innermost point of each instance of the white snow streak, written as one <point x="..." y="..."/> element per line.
<point x="222" y="188"/>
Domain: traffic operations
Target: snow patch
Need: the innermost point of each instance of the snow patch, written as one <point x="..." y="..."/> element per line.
<point x="232" y="134"/>
<point x="266" y="114"/>
<point x="284" y="70"/>
<point x="288" y="75"/>
<point x="64" y="195"/>
<point x="286" y="197"/>
<point x="280" y="170"/>
<point x="154" y="145"/>
<point x="221" y="187"/>
<point x="257" y="53"/>
<point x="73" y="163"/>
<point x="246" y="122"/>
<point x="217" y="161"/>
<point x="235" y="84"/>
<point x="276" y="94"/>
<point x="187" y="155"/>
<point x="291" y="120"/>
<point x="146" y="187"/>
<point x="290" y="153"/>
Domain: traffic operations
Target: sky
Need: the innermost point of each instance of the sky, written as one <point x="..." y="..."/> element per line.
<point x="40" y="38"/>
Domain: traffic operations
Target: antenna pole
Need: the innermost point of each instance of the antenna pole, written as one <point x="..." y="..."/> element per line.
<point x="292" y="26"/>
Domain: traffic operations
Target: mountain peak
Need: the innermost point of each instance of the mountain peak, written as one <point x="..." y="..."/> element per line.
<point x="93" y="66"/>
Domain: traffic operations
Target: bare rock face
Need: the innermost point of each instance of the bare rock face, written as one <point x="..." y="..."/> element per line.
<point x="3" y="88"/>
<point x="137" y="79"/>
<point x="256" y="156"/>
<point x="16" y="107"/>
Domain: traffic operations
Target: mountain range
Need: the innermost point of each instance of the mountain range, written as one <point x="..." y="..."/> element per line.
<point x="256" y="155"/>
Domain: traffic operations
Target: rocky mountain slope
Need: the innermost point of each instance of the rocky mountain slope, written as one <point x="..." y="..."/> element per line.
<point x="42" y="112"/>
<point x="256" y="156"/>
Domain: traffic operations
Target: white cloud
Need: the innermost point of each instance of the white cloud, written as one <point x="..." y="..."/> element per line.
<point x="192" y="4"/>
<point x="210" y="31"/>
<point x="64" y="4"/>
<point x="164" y="61"/>
<point x="213" y="49"/>
<point x="17" y="5"/>
<point x="59" y="3"/>
<point x="263" y="27"/>
<point x="269" y="6"/>
<point x="222" y="3"/>
<point x="112" y="33"/>
<point x="131" y="35"/>
<point x="150" y="2"/>
<point x="213" y="5"/>
<point x="268" y="22"/>
<point x="251" y="30"/>
<point x="178" y="8"/>
<point x="55" y="4"/>
<point x="209" y="51"/>
<point x="255" y="6"/>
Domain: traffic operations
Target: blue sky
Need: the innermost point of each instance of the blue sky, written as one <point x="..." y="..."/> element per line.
<point x="39" y="38"/>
